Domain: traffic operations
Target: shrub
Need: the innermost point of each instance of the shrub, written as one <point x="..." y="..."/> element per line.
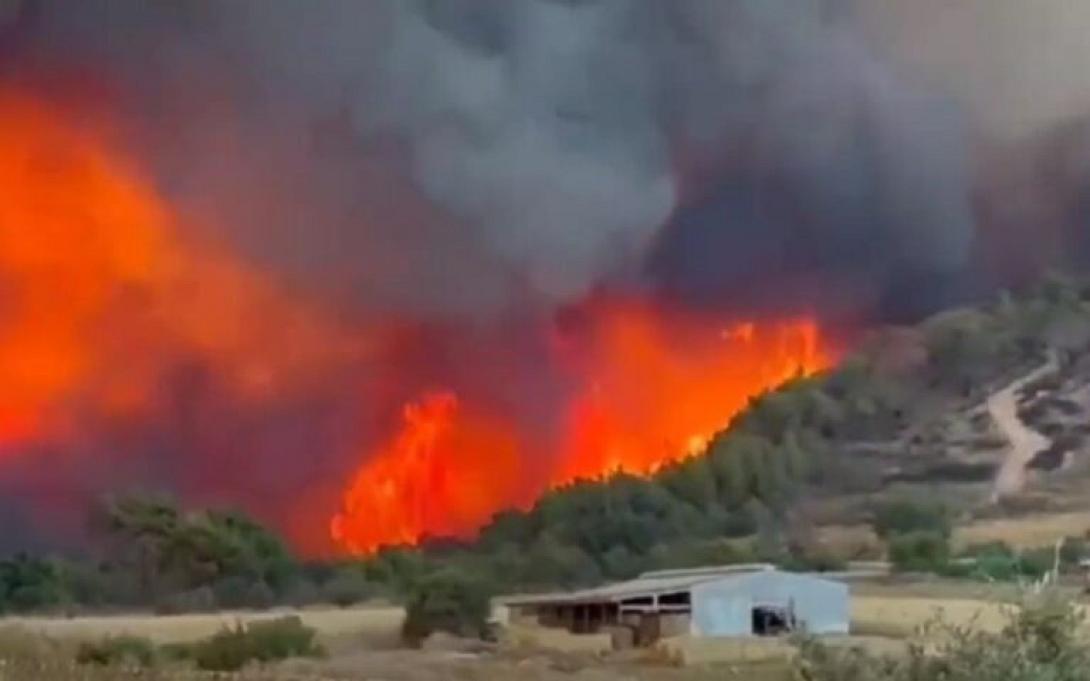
<point x="996" y="561"/>
<point x="230" y="592"/>
<point x="201" y="599"/>
<point x="450" y="602"/>
<point x="905" y="516"/>
<point x="119" y="650"/>
<point x="1073" y="550"/>
<point x="241" y="593"/>
<point x="1038" y="642"/>
<point x="693" y="554"/>
<point x="300" y="593"/>
<point x="919" y="552"/>
<point x="227" y="651"/>
<point x="260" y="596"/>
<point x="347" y="587"/>
<point x="233" y="647"/>
<point x="814" y="559"/>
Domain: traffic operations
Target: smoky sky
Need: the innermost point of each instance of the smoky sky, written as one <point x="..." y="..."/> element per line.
<point x="480" y="167"/>
<point x="509" y="150"/>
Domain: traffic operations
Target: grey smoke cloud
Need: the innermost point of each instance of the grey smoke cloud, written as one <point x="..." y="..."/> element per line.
<point x="477" y="164"/>
<point x="545" y="134"/>
<point x="538" y="121"/>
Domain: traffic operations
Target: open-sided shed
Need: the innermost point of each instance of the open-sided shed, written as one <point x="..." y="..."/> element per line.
<point x="754" y="600"/>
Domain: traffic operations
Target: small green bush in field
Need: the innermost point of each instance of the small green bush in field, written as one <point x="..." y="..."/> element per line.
<point x="1040" y="642"/>
<point x="908" y="516"/>
<point x="447" y="601"/>
<point x="119" y="650"/>
<point x="227" y="651"/>
<point x="347" y="588"/>
<point x="233" y="647"/>
<point x="919" y="552"/>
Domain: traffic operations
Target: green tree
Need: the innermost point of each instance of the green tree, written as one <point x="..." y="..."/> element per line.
<point x="28" y="584"/>
<point x="920" y="552"/>
<point x="140" y="531"/>
<point x="904" y="516"/>
<point x="447" y="601"/>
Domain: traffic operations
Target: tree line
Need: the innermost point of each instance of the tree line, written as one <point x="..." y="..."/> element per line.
<point x="788" y="445"/>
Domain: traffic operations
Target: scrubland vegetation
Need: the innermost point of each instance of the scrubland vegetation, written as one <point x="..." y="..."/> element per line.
<point x="738" y="502"/>
<point x="872" y="435"/>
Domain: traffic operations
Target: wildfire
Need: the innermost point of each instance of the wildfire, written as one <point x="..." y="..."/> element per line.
<point x="74" y="231"/>
<point x="660" y="385"/>
<point x="655" y="388"/>
<point x="106" y="297"/>
<point x="103" y="295"/>
<point x="438" y="476"/>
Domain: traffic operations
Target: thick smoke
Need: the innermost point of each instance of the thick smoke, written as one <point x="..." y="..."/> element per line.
<point x="549" y="135"/>
<point x="831" y="180"/>
<point x="469" y="167"/>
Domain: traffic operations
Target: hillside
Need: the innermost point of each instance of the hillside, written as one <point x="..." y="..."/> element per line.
<point x="927" y="442"/>
<point x="980" y="408"/>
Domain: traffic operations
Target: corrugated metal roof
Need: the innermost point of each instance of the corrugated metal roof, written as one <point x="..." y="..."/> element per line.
<point x="649" y="584"/>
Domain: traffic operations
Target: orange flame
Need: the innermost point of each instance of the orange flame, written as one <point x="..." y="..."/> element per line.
<point x="431" y="479"/>
<point x="657" y="388"/>
<point x="73" y="233"/>
<point x="100" y="291"/>
<point x="662" y="386"/>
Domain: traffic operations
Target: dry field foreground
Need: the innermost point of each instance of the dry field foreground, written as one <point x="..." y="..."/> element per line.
<point x="880" y="612"/>
<point x="370" y="626"/>
<point x="362" y="643"/>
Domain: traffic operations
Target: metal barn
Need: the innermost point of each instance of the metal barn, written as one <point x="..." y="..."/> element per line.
<point x="753" y="600"/>
<point x="770" y="602"/>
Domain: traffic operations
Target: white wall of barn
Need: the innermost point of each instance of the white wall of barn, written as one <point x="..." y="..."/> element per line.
<point x="724" y="607"/>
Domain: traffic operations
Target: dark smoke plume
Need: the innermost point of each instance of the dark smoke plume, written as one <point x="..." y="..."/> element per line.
<point x="549" y="136"/>
<point x="476" y="165"/>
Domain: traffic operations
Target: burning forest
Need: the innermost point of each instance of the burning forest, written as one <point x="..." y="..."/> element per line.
<point x="110" y="298"/>
<point x="378" y="271"/>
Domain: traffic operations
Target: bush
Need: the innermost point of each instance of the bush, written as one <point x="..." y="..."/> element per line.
<point x="120" y="650"/>
<point x="919" y="552"/>
<point x="998" y="562"/>
<point x="301" y="593"/>
<point x="1073" y="551"/>
<point x="230" y="592"/>
<point x="814" y="559"/>
<point x="1038" y="642"/>
<point x="233" y="647"/>
<point x="450" y="602"/>
<point x="227" y="651"/>
<point x="347" y="587"/>
<point x="241" y="593"/>
<point x="694" y="554"/>
<point x="201" y="599"/>
<point x="905" y="516"/>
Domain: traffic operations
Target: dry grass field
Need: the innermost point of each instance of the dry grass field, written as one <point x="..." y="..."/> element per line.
<point x="363" y="644"/>
<point x="375" y="627"/>
<point x="896" y="616"/>
<point x="1028" y="532"/>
